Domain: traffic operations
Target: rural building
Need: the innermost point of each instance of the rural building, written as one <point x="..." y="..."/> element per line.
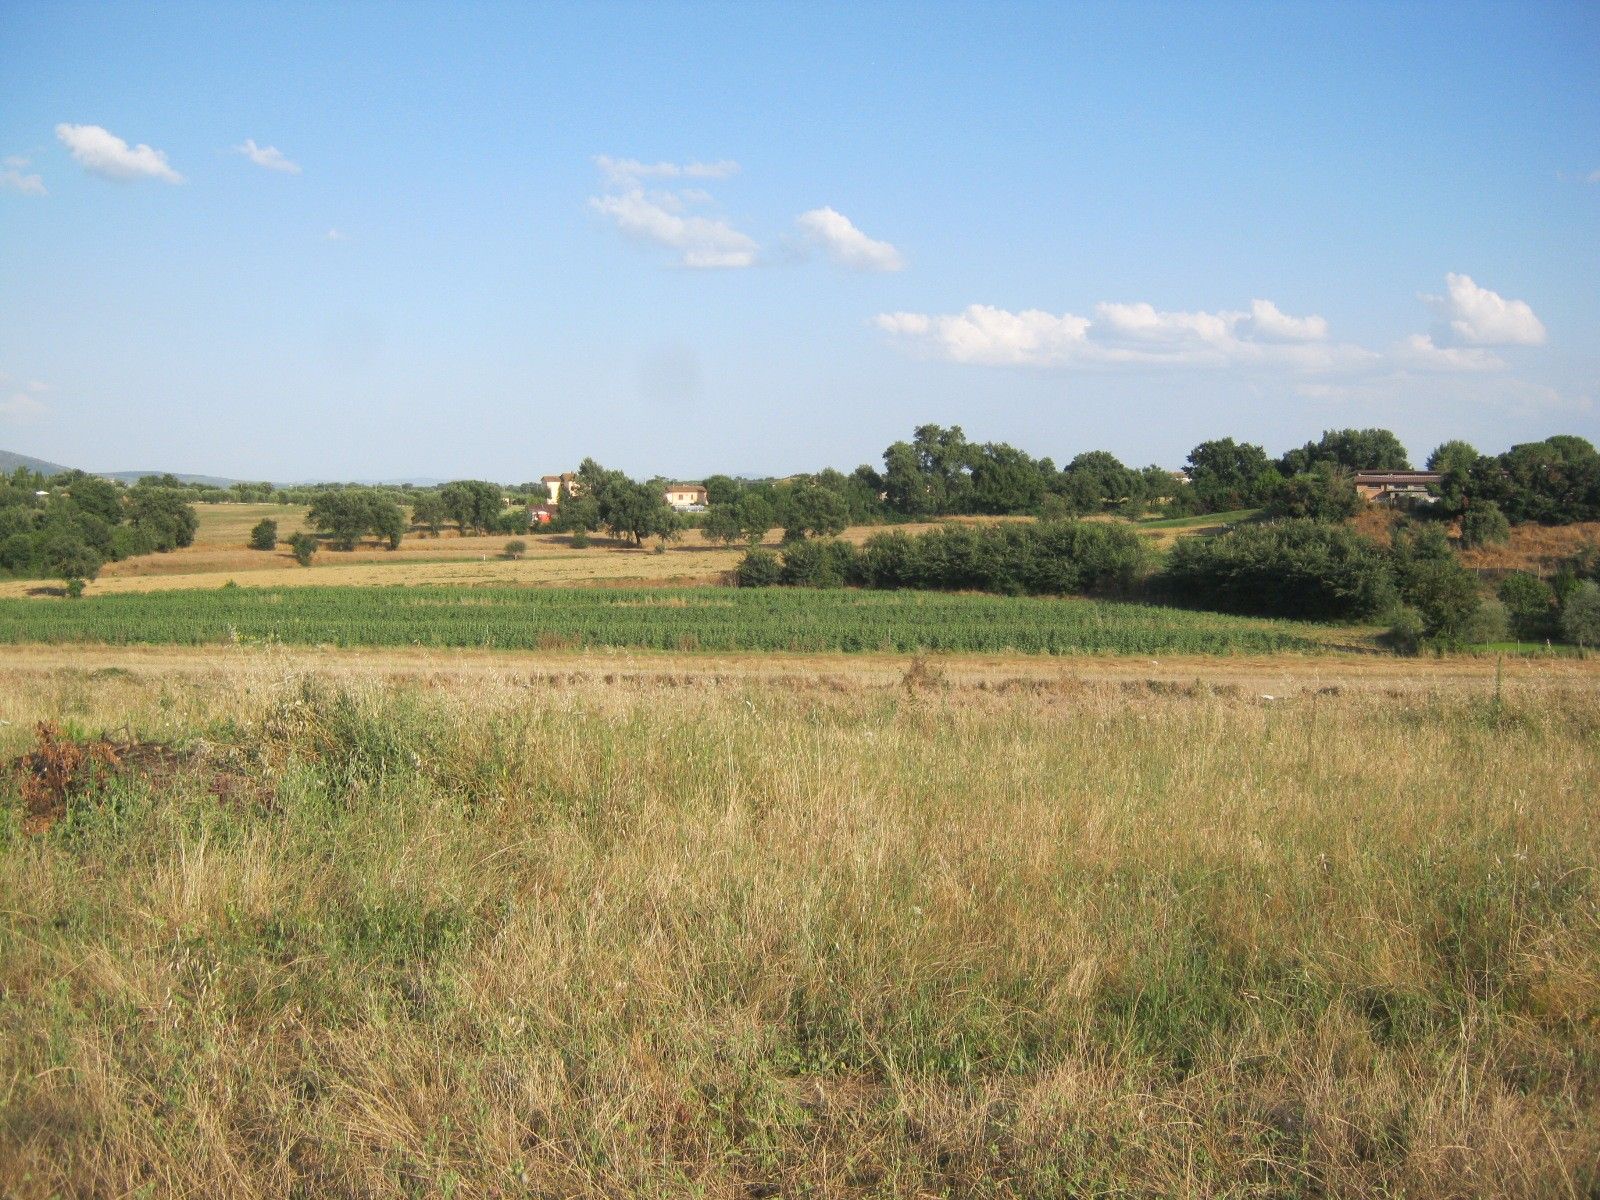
<point x="557" y="486"/>
<point x="687" y="497"/>
<point x="541" y="514"/>
<point x="1397" y="489"/>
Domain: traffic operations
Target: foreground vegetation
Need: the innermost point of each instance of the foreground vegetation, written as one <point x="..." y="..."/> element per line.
<point x="552" y="937"/>
<point x="687" y="619"/>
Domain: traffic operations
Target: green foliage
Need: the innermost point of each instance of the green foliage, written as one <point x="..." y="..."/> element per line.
<point x="1530" y="605"/>
<point x="516" y="548"/>
<point x="1483" y="524"/>
<point x="1296" y="568"/>
<point x="264" y="536"/>
<point x="349" y="514"/>
<point x="758" y="568"/>
<point x="1225" y="474"/>
<point x="94" y="495"/>
<point x="811" y="509"/>
<point x="472" y="504"/>
<point x="68" y="558"/>
<point x="1556" y="481"/>
<point x="164" y="512"/>
<point x="428" y="511"/>
<point x="1348" y="450"/>
<point x="1406" y="630"/>
<point x="1324" y="493"/>
<point x="764" y="619"/>
<point x="304" y="546"/>
<point x="1580" y="615"/>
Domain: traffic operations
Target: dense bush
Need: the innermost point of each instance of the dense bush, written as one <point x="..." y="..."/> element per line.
<point x="1298" y="568"/>
<point x="1048" y="558"/>
<point x="265" y="535"/>
<point x="1484" y="525"/>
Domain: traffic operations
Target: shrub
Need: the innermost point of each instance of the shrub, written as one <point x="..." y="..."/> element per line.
<point x="818" y="564"/>
<point x="1445" y="593"/>
<point x="265" y="535"/>
<point x="1299" y="568"/>
<point x="1489" y="623"/>
<point x="516" y="548"/>
<point x="758" y="568"/>
<point x="1484" y="525"/>
<point x="1405" y="632"/>
<point x="580" y="539"/>
<point x="1580" y="616"/>
<point x="304" y="546"/>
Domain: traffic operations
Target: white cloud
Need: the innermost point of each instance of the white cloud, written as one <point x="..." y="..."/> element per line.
<point x="1135" y="334"/>
<point x="623" y="172"/>
<point x="269" y="157"/>
<point x="108" y="156"/>
<point x="700" y="241"/>
<point x="1479" y="317"/>
<point x="12" y="178"/>
<point x="335" y="235"/>
<point x="847" y="245"/>
<point x="1272" y="324"/>
<point x="1418" y="352"/>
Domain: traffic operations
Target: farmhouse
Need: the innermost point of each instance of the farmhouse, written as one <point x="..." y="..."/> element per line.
<point x="1397" y="489"/>
<point x="557" y="486"/>
<point x="687" y="497"/>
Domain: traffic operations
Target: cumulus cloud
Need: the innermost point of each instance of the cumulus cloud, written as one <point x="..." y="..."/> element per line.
<point x="108" y="156"/>
<point x="623" y="172"/>
<point x="1136" y="334"/>
<point x="1478" y="317"/>
<point x="12" y="178"/>
<point x="269" y="157"/>
<point x="845" y="244"/>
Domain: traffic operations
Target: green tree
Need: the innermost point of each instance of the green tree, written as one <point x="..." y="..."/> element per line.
<point x="1324" y="493"/>
<point x="1226" y="475"/>
<point x="1348" y="450"/>
<point x="756" y="517"/>
<point x="1580" y="615"/>
<point x="472" y="504"/>
<point x="1530" y="605"/>
<point x="264" y="536"/>
<point x="810" y="509"/>
<point x="722" y="524"/>
<point x="304" y="546"/>
<point x="94" y="495"/>
<point x="165" y="513"/>
<point x="428" y="511"/>
<point x="70" y="560"/>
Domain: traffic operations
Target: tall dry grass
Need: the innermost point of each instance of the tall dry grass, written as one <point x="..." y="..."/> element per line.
<point x="571" y="939"/>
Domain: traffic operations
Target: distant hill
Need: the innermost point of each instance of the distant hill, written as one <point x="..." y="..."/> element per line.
<point x="131" y="477"/>
<point x="10" y="462"/>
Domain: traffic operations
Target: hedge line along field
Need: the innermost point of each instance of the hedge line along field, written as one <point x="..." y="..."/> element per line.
<point x="330" y="935"/>
<point x="708" y="619"/>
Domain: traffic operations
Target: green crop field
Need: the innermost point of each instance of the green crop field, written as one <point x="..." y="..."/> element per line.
<point x="691" y="619"/>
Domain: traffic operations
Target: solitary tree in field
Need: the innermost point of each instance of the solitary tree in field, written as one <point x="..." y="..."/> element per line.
<point x="304" y="546"/>
<point x="70" y="560"/>
<point x="265" y="535"/>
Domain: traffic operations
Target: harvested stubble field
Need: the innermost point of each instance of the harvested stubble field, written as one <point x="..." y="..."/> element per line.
<point x="494" y="927"/>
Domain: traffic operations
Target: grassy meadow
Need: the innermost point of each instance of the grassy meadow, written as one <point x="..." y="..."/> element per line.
<point x="335" y="932"/>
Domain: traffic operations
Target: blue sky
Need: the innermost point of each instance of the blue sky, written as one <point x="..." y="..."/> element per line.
<point x="766" y="238"/>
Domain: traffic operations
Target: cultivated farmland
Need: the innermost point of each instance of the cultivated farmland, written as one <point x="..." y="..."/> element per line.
<point x="661" y="619"/>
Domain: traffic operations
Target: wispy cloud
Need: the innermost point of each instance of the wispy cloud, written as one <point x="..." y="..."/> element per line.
<point x="22" y="405"/>
<point x="660" y="218"/>
<point x="335" y="235"/>
<point x="12" y="178"/>
<point x="269" y="157"/>
<point x="621" y="172"/>
<point x="845" y="244"/>
<point x="107" y="155"/>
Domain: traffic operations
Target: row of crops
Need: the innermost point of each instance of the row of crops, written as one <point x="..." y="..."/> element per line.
<point x="700" y="619"/>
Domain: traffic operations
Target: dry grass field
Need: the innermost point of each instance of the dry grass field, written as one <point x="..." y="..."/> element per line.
<point x="411" y="924"/>
<point x="221" y="553"/>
